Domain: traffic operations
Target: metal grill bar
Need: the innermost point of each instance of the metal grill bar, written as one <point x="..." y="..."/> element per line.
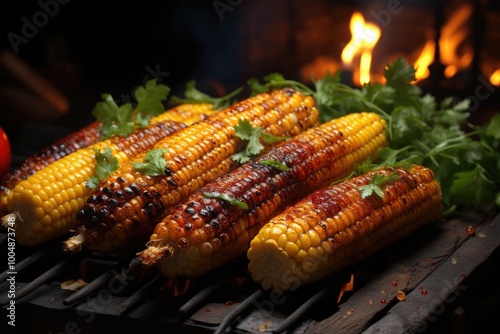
<point x="238" y="310"/>
<point x="26" y="262"/>
<point x="49" y="274"/>
<point x="202" y="295"/>
<point x="140" y="294"/>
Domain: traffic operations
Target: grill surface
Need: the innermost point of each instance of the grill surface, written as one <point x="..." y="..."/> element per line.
<point x="435" y="267"/>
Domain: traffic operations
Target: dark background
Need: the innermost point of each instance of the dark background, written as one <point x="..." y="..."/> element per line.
<point x="87" y="48"/>
<point x="92" y="47"/>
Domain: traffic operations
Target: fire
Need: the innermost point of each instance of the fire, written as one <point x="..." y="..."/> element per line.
<point x="424" y="60"/>
<point x="495" y="78"/>
<point x="365" y="36"/>
<point x="454" y="55"/>
<point x="346" y="287"/>
<point x="176" y="287"/>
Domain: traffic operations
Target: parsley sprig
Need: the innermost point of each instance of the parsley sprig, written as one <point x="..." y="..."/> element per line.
<point x="253" y="137"/>
<point x="193" y="95"/>
<point x="154" y="163"/>
<point x="106" y="164"/>
<point x="376" y="185"/>
<point x="124" y="119"/>
<point x="226" y="198"/>
<point x="421" y="129"/>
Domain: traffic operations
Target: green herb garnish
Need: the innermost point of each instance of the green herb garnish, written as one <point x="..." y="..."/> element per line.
<point x="227" y="199"/>
<point x="376" y="184"/>
<point x="252" y="135"/>
<point x="193" y="95"/>
<point x="154" y="164"/>
<point x="106" y="164"/>
<point x="125" y="119"/>
<point x="465" y="157"/>
<point x="274" y="164"/>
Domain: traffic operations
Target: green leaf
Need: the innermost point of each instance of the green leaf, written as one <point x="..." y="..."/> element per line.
<point x="226" y="198"/>
<point x="376" y="184"/>
<point x="493" y="127"/>
<point x="473" y="187"/>
<point x="106" y="164"/>
<point x="274" y="81"/>
<point x="251" y="135"/>
<point x="274" y="164"/>
<point x="149" y="98"/>
<point x="193" y="95"/>
<point x="124" y="120"/>
<point x="154" y="164"/>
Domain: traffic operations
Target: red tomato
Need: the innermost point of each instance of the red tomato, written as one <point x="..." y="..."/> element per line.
<point x="5" y="153"/>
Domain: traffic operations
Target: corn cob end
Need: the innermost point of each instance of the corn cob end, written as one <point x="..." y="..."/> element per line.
<point x="74" y="244"/>
<point x="154" y="254"/>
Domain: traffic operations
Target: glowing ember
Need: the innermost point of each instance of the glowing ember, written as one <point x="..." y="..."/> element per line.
<point x="364" y="37"/>
<point x="495" y="78"/>
<point x="401" y="295"/>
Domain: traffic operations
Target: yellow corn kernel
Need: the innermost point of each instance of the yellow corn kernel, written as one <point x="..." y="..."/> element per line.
<point x="51" y="197"/>
<point x="195" y="156"/>
<point x="314" y="158"/>
<point x="360" y="226"/>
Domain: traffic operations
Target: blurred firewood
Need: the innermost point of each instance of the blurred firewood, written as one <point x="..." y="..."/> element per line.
<point x="25" y="94"/>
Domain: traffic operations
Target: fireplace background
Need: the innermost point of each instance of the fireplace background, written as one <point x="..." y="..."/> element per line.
<point x="89" y="49"/>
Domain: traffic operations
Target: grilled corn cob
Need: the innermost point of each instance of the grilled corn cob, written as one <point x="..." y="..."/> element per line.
<point x="88" y="135"/>
<point x="44" y="205"/>
<point x="82" y="138"/>
<point x="205" y="232"/>
<point x="336" y="227"/>
<point x="123" y="211"/>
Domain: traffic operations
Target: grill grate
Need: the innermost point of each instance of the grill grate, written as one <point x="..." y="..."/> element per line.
<point x="227" y="300"/>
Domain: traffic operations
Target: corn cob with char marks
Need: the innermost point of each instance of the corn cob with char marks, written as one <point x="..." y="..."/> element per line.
<point x="205" y="231"/>
<point x="123" y="211"/>
<point x="44" y="205"/>
<point x="336" y="227"/>
<point x="79" y="139"/>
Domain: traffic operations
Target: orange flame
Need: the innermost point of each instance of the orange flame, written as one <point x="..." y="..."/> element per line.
<point x="345" y="287"/>
<point x="495" y="78"/>
<point x="365" y="36"/>
<point x="424" y="60"/>
<point x="453" y="34"/>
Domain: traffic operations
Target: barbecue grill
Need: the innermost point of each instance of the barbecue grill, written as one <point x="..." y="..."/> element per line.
<point x="441" y="279"/>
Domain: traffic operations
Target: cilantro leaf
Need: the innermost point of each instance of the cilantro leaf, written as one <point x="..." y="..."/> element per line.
<point x="149" y="98"/>
<point x="193" y="95"/>
<point x="274" y="164"/>
<point x="125" y="119"/>
<point x="154" y="164"/>
<point x="275" y="81"/>
<point x="469" y="188"/>
<point x="106" y="164"/>
<point x="226" y="198"/>
<point x="376" y="184"/>
<point x="252" y="137"/>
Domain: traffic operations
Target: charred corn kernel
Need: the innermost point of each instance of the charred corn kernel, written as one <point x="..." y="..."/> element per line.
<point x="86" y="136"/>
<point x="410" y="201"/>
<point x="313" y="158"/>
<point x="53" y="194"/>
<point x="211" y="144"/>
